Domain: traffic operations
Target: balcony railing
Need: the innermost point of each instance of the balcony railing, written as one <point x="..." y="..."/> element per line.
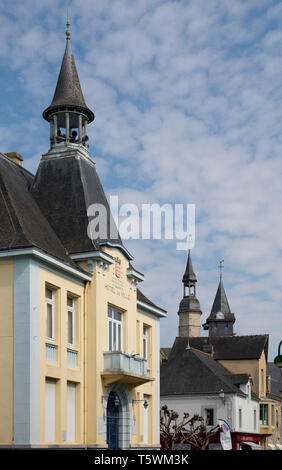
<point x="51" y="352"/>
<point x="71" y="358"/>
<point x="130" y="368"/>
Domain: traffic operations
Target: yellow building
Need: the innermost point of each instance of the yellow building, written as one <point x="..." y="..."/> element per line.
<point x="79" y="343"/>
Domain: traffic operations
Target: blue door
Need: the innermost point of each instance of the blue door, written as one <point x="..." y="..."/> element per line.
<point x="113" y="421"/>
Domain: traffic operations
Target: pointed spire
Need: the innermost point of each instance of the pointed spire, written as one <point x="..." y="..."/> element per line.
<point x="189" y="275"/>
<point x="189" y="308"/>
<point x="68" y="91"/>
<point x="221" y="319"/>
<point x="220" y="303"/>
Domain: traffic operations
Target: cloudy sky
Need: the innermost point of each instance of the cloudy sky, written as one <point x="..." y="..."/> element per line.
<point x="188" y="104"/>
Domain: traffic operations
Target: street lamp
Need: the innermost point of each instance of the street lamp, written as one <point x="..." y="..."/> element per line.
<point x="278" y="359"/>
<point x="145" y="403"/>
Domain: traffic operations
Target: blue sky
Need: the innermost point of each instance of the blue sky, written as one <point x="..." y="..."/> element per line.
<point x="188" y="104"/>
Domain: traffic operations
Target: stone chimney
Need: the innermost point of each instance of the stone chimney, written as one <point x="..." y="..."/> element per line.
<point x="16" y="157"/>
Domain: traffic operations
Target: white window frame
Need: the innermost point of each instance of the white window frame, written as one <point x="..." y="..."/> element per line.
<point x="71" y="309"/>
<point x="50" y="302"/>
<point x="146" y="342"/>
<point x="115" y="325"/>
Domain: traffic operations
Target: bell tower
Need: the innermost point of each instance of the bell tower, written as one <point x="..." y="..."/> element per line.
<point x="68" y="114"/>
<point x="189" y="308"/>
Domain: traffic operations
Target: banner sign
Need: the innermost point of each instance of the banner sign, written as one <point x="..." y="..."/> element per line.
<point x="225" y="435"/>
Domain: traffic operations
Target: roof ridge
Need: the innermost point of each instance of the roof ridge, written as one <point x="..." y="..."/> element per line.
<point x="84" y="183"/>
<point x="20" y="167"/>
<point x="200" y="351"/>
<point x="27" y="235"/>
<point x="10" y="207"/>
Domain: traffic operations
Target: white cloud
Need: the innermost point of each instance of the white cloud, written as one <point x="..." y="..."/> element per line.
<point x="188" y="104"/>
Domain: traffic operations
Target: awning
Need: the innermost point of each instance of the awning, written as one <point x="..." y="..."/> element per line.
<point x="253" y="445"/>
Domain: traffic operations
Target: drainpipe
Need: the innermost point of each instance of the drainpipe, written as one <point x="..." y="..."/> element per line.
<point x="84" y="364"/>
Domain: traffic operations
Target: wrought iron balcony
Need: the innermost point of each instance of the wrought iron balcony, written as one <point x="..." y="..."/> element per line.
<point x="130" y="369"/>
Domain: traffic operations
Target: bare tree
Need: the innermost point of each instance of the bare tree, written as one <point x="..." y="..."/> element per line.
<point x="188" y="430"/>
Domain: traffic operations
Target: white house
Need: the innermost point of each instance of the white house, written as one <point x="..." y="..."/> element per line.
<point x="193" y="381"/>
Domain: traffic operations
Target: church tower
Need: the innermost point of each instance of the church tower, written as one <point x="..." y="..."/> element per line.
<point x="221" y="320"/>
<point x="189" y="308"/>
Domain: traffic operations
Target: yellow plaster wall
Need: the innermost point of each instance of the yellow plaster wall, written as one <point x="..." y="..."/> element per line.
<point x="92" y="302"/>
<point x="60" y="370"/>
<point x="6" y="351"/>
<point x="255" y="367"/>
<point x="106" y="289"/>
<point x="149" y="387"/>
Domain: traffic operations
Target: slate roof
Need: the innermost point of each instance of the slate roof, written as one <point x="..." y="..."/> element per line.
<point x="237" y="379"/>
<point x="64" y="188"/>
<point x="189" y="371"/>
<point x="67" y="187"/>
<point x="189" y="274"/>
<point x="234" y="347"/>
<point x="143" y="298"/>
<point x="221" y="304"/>
<point x="276" y="380"/>
<point x="22" y="223"/>
<point x="68" y="91"/>
<point x="189" y="304"/>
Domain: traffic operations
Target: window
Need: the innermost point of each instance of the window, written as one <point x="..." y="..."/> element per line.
<point x="71" y="320"/>
<point x="263" y="415"/>
<point x="255" y="420"/>
<point x="71" y="412"/>
<point x="50" y="410"/>
<point x="50" y="313"/>
<point x="145" y="342"/>
<point x="209" y="416"/>
<point x="115" y="329"/>
<point x="240" y="418"/>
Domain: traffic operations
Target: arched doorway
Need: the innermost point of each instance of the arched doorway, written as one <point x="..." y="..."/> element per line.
<point x="120" y="434"/>
<point x="113" y="412"/>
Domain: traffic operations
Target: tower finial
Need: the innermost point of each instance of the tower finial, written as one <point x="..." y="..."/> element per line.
<point x="221" y="267"/>
<point x="68" y="35"/>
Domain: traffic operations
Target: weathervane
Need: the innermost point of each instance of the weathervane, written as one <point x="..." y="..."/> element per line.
<point x="221" y="267"/>
<point x="68" y="25"/>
